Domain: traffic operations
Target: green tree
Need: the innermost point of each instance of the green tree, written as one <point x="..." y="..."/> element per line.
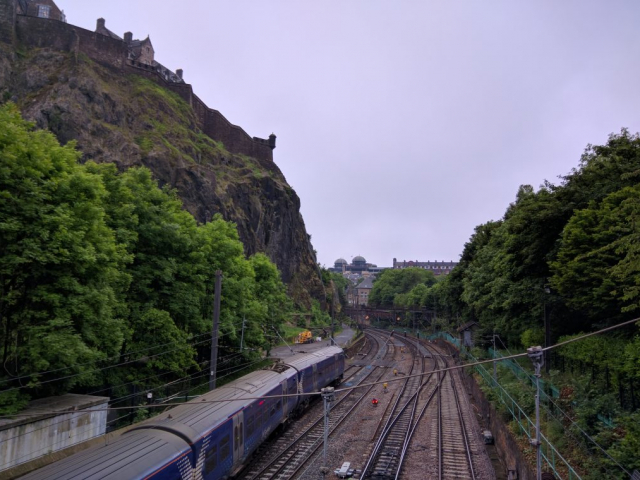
<point x="60" y="266"/>
<point x="394" y="284"/>
<point x="597" y="267"/>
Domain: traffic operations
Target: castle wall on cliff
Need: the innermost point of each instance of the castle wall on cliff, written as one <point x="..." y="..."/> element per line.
<point x="32" y="31"/>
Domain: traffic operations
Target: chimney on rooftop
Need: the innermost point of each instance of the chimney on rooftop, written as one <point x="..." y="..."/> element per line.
<point x="128" y="37"/>
<point x="100" y="24"/>
<point x="179" y="73"/>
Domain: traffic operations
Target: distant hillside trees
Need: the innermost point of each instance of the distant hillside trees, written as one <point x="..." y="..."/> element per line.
<point x="96" y="263"/>
<point x="568" y="251"/>
<point x="401" y="287"/>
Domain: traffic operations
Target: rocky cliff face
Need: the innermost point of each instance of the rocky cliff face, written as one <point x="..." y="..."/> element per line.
<point x="130" y="121"/>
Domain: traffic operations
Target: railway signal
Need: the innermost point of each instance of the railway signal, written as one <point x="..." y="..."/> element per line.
<point x="374" y="402"/>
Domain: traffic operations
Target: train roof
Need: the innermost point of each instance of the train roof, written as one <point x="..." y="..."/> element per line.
<point x="134" y="455"/>
<point x="198" y="416"/>
<point x="304" y="360"/>
<point x="130" y="455"/>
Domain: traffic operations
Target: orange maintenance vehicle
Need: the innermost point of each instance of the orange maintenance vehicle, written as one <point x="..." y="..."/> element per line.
<point x="305" y="337"/>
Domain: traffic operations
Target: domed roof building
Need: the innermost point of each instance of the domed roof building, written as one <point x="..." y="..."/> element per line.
<point x="339" y="265"/>
<point x="357" y="266"/>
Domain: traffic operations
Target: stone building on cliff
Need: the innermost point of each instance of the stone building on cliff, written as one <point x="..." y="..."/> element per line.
<point x="41" y="9"/>
<point x="41" y="24"/>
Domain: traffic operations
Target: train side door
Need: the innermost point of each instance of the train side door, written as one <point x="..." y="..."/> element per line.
<point x="315" y="377"/>
<point x="285" y="400"/>
<point x="238" y="437"/>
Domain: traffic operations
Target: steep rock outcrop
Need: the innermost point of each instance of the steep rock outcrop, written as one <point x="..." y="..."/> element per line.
<point x="130" y="120"/>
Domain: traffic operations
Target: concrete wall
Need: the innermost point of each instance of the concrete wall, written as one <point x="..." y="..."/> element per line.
<point x="27" y="441"/>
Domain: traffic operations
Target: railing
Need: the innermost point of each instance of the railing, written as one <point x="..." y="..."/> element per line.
<point x="549" y="453"/>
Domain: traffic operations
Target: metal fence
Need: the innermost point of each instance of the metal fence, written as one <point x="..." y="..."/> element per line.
<point x="556" y="462"/>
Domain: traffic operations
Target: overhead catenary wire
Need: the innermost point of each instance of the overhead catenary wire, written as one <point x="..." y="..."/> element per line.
<point x="86" y="426"/>
<point x="109" y="366"/>
<point x="568" y="417"/>
<point x="118" y="400"/>
<point x="115" y="357"/>
<point x="105" y="368"/>
<point x="204" y="401"/>
<point x="191" y="376"/>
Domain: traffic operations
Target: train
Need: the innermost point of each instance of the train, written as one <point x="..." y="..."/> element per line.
<point x="212" y="436"/>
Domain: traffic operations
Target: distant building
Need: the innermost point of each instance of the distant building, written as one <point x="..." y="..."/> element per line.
<point x="466" y="332"/>
<point x="438" y="268"/>
<point x="41" y="9"/>
<point x="359" y="294"/>
<point x="141" y="53"/>
<point x="357" y="266"/>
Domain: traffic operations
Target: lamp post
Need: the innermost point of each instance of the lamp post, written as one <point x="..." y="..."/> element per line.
<point x="495" y="370"/>
<point x="327" y="398"/>
<point x="536" y="354"/>
<point x="547" y="329"/>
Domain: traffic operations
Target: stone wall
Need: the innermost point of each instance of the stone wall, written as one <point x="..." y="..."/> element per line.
<point x="48" y="33"/>
<point x="45" y="33"/>
<point x="7" y="21"/>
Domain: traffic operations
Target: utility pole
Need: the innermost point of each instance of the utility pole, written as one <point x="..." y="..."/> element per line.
<point x="327" y="398"/>
<point x="213" y="365"/>
<point x="536" y="354"/>
<point x="495" y="370"/>
<point x="547" y="330"/>
<point x="285" y="342"/>
<point x="333" y="342"/>
<point x="242" y="336"/>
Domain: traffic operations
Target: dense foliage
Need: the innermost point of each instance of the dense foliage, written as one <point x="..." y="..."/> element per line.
<point x="101" y="268"/>
<point x="402" y="288"/>
<point x="568" y="255"/>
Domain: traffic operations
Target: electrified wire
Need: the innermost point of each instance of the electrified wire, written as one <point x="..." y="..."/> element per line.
<point x="568" y="417"/>
<point x="44" y="372"/>
<point x="346" y="389"/>
<point x="105" y="368"/>
<point x="120" y="399"/>
<point x="97" y="360"/>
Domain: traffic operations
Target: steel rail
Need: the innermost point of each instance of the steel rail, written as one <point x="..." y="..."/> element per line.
<point x="292" y="448"/>
<point x="385" y="430"/>
<point x="393" y="421"/>
<point x="464" y="429"/>
<point x="420" y="415"/>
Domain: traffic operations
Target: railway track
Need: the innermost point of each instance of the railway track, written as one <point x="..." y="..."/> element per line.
<point x="386" y="458"/>
<point x="451" y="441"/>
<point x="285" y="457"/>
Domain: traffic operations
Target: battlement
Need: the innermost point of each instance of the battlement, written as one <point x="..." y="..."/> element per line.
<point x="22" y="21"/>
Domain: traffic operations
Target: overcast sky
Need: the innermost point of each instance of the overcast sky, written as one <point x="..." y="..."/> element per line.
<point x="402" y="124"/>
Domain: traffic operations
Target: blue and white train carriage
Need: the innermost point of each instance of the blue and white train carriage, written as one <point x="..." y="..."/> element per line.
<point x="207" y="440"/>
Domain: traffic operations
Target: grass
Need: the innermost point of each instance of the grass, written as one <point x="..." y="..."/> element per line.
<point x="290" y="332"/>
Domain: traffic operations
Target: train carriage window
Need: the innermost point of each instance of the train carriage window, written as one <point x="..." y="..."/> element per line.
<point x="241" y="429"/>
<point x="225" y="450"/>
<point x="236" y="438"/>
<point x="211" y="460"/>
